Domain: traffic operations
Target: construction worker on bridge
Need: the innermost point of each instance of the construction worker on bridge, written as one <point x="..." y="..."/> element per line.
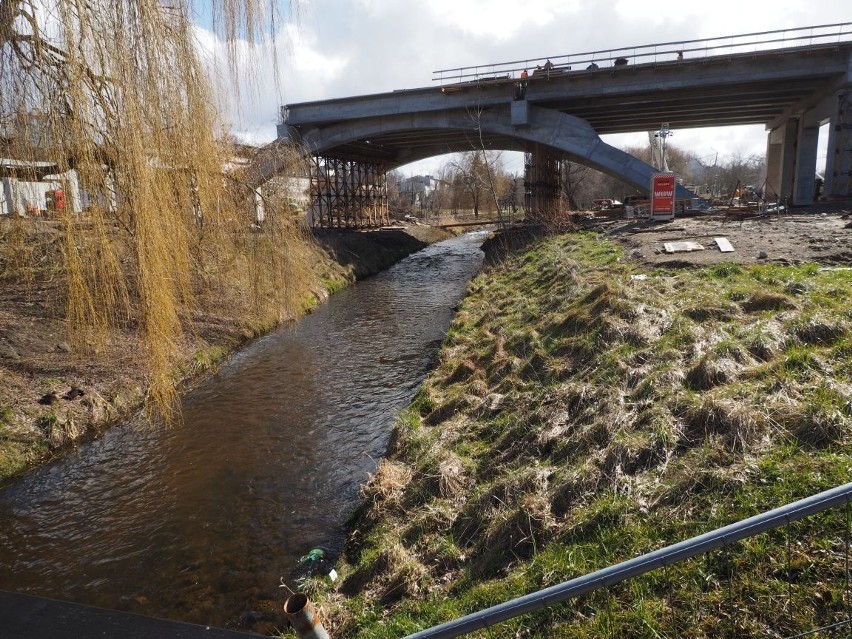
<point x="521" y="86"/>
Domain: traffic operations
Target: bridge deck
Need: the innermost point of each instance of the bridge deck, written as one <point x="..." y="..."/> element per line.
<point x="734" y="87"/>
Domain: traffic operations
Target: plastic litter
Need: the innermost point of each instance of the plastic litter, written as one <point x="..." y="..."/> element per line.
<point x="315" y="554"/>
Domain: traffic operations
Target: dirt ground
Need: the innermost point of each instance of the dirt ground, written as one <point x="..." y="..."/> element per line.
<point x="821" y="234"/>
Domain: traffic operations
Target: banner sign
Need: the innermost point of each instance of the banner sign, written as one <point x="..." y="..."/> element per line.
<point x="663" y="195"/>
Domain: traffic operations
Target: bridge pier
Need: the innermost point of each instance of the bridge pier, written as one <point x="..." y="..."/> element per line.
<point x="780" y="154"/>
<point x="791" y="152"/>
<point x="806" y="159"/>
<point x="838" y="162"/>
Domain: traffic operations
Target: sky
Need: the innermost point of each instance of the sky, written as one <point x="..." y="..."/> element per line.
<point x="341" y="48"/>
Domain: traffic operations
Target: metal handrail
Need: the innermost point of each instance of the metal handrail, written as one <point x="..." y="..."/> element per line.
<point x="777" y="40"/>
<point x="640" y="565"/>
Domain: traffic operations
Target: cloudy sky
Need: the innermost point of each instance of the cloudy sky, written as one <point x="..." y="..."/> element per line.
<point x="339" y="48"/>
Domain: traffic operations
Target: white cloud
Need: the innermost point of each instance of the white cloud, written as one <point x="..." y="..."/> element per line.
<point x="310" y="62"/>
<point x="501" y="19"/>
<point x="721" y="17"/>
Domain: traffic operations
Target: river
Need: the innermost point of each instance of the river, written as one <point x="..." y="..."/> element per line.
<point x="204" y="521"/>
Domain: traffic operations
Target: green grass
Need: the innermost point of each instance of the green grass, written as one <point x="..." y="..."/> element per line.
<point x="207" y="358"/>
<point x="6" y="416"/>
<point x="48" y="421"/>
<point x="334" y="283"/>
<point x="578" y="417"/>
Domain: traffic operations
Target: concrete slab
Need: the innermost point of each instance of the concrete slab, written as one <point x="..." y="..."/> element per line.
<point x="682" y="247"/>
<point x="723" y="244"/>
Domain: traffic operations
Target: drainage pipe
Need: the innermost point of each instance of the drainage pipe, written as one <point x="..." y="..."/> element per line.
<point x="304" y="617"/>
<point x="640" y="565"/>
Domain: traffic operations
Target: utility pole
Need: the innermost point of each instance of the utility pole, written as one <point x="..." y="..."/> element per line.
<point x="662" y="134"/>
<point x="715" y="173"/>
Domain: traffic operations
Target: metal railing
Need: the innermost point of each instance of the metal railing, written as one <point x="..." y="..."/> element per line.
<point x="484" y="619"/>
<point x="664" y="52"/>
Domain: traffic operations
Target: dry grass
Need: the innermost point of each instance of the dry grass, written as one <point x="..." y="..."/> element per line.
<point x="711" y="371"/>
<point x="384" y="488"/>
<point x="633" y="414"/>
<point x="735" y="424"/>
<point x="762" y="300"/>
<point x="453" y="477"/>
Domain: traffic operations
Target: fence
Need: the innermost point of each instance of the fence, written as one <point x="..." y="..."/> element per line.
<point x="722" y="537"/>
<point x="665" y="52"/>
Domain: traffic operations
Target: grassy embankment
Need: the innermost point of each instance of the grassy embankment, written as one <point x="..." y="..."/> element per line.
<point x="580" y="416"/>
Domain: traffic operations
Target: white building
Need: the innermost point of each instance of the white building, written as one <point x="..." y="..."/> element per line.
<point x="25" y="186"/>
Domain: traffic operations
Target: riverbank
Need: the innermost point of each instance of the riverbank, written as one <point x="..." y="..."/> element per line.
<point x="590" y="405"/>
<point x="52" y="397"/>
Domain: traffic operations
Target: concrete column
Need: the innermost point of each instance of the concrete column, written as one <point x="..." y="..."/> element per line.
<point x="520" y="113"/>
<point x="259" y="206"/>
<point x="5" y="200"/>
<point x="806" y="157"/>
<point x="838" y="163"/>
<point x="780" y="160"/>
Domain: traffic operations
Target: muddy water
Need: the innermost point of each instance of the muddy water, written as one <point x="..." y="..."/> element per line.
<point x="201" y="522"/>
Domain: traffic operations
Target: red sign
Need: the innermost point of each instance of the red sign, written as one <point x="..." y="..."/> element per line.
<point x="663" y="193"/>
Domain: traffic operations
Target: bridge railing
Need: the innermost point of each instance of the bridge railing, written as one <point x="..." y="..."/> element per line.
<point x="721" y="538"/>
<point x="664" y="52"/>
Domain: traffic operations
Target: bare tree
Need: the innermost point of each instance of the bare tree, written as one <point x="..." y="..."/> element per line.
<point x="480" y="176"/>
<point x="574" y="178"/>
<point x="742" y="171"/>
<point x="470" y="177"/>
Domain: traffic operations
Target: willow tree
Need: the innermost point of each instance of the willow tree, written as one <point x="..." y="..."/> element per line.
<point x="117" y="91"/>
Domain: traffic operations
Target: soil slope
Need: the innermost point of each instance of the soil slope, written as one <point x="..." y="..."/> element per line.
<point x="52" y="397"/>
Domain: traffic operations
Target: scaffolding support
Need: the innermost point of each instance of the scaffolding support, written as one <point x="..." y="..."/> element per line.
<point x="348" y="193"/>
<point x="542" y="183"/>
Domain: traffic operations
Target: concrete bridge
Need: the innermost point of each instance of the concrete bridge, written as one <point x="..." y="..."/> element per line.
<point x="790" y="81"/>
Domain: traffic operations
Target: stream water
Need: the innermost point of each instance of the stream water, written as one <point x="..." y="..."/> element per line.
<point x="201" y="522"/>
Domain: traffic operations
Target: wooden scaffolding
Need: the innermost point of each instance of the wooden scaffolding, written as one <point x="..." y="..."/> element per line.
<point x="348" y="193"/>
<point x="542" y="183"/>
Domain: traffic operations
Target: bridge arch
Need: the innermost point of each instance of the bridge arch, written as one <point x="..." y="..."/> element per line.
<point x="491" y="128"/>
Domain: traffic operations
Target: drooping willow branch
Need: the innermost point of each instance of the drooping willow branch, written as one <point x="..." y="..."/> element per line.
<point x="117" y="91"/>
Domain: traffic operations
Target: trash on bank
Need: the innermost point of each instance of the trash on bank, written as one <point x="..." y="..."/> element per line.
<point x="316" y="562"/>
<point x="304" y="617"/>
<point x="682" y="247"/>
<point x="315" y="554"/>
<point x="723" y="244"/>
